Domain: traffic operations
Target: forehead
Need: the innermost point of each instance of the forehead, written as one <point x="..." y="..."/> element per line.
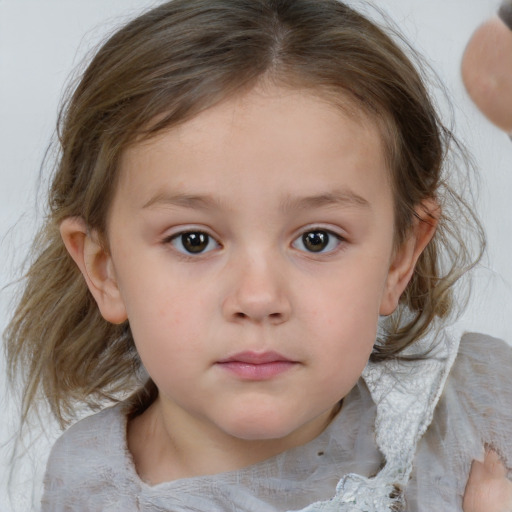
<point x="295" y="139"/>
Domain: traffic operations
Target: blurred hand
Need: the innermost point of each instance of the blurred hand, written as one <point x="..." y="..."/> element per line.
<point x="488" y="488"/>
<point x="487" y="71"/>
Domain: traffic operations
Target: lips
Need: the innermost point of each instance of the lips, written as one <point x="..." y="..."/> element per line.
<point x="256" y="366"/>
<point x="255" y="358"/>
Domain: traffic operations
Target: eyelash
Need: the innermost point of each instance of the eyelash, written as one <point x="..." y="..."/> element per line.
<point x="176" y="240"/>
<point x="325" y="236"/>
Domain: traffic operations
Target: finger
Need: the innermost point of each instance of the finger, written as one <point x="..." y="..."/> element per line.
<point x="488" y="489"/>
<point x="494" y="466"/>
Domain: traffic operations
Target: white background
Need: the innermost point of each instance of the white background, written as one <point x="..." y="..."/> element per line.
<point x="42" y="41"/>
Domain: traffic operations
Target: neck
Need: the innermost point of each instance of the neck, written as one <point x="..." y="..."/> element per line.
<point x="168" y="445"/>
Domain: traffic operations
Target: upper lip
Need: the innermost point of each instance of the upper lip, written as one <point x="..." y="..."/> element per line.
<point x="251" y="357"/>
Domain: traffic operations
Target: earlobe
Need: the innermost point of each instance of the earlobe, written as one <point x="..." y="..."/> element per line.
<point x="406" y="256"/>
<point x="96" y="266"/>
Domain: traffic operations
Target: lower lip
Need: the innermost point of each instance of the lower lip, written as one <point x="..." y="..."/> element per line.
<point x="263" y="371"/>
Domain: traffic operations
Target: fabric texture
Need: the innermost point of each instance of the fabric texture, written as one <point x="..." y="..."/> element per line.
<point x="90" y="468"/>
<point x="405" y="393"/>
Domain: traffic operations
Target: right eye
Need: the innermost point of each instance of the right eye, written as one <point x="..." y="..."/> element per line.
<point x="193" y="242"/>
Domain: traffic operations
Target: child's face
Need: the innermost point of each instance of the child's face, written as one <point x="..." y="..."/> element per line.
<point x="252" y="248"/>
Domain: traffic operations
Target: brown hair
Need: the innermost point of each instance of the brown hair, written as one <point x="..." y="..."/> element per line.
<point x="169" y="64"/>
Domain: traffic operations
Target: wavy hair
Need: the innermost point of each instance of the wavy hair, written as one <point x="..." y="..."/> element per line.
<point x="165" y="67"/>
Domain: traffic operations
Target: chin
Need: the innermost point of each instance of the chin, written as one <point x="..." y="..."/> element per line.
<point x="260" y="428"/>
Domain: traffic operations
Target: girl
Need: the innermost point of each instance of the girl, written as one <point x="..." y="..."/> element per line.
<point x="244" y="189"/>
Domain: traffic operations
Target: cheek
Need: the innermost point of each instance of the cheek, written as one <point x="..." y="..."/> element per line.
<point x="168" y="338"/>
<point x="349" y="299"/>
<point x="350" y="336"/>
<point x="344" y="313"/>
<point x="165" y="316"/>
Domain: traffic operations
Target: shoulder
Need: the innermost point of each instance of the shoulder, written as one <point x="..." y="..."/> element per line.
<point x="480" y="350"/>
<point x="89" y="460"/>
<point x="94" y="433"/>
<point x="481" y="379"/>
<point x="474" y="410"/>
<point x="482" y="376"/>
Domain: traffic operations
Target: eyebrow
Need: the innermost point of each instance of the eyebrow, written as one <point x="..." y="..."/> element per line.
<point x="202" y="202"/>
<point x="341" y="198"/>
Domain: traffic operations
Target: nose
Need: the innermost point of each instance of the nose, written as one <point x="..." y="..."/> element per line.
<point x="258" y="292"/>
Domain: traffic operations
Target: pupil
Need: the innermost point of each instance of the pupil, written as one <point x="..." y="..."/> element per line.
<point x="315" y="241"/>
<point x="195" y="242"/>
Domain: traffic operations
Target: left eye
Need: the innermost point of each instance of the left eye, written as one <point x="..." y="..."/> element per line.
<point x="317" y="241"/>
<point x="193" y="242"/>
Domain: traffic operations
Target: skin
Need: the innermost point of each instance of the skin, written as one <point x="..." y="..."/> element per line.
<point x="487" y="72"/>
<point x="254" y="174"/>
<point x="488" y="488"/>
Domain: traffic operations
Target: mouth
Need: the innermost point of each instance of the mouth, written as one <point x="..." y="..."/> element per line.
<point x="256" y="366"/>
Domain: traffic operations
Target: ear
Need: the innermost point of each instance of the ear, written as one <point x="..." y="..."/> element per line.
<point x="96" y="266"/>
<point x="405" y="257"/>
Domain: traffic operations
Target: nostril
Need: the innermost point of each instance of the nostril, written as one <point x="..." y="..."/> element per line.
<point x="272" y="316"/>
<point x="277" y="318"/>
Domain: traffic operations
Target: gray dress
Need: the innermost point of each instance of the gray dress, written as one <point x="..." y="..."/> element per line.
<point x="90" y="468"/>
